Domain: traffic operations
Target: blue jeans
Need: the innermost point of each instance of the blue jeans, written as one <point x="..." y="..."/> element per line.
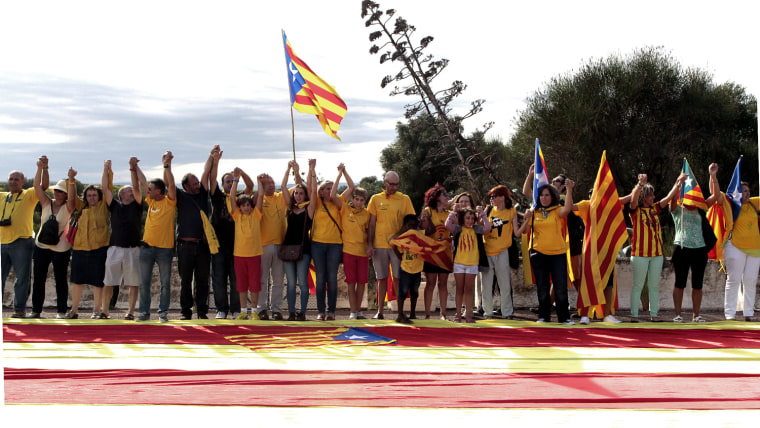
<point x="327" y="258"/>
<point x="222" y="270"/>
<point x="163" y="257"/>
<point x="19" y="255"/>
<point x="548" y="270"/>
<point x="297" y="273"/>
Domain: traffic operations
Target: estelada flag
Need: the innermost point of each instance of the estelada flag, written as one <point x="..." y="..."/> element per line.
<point x="540" y="176"/>
<point x="691" y="193"/>
<point x="431" y="250"/>
<point x="310" y="94"/>
<point x="605" y="235"/>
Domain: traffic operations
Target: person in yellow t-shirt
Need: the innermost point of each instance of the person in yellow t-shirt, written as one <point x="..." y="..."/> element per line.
<point x="433" y="219"/>
<point x="503" y="216"/>
<point x="741" y="249"/>
<point x="326" y="244"/>
<point x="158" y="238"/>
<point x="16" y="241"/>
<point x="411" y="272"/>
<point x="469" y="254"/>
<point x="354" y="219"/>
<point x="386" y="214"/>
<point x="248" y="249"/>
<point x="545" y="224"/>
<point x="90" y="247"/>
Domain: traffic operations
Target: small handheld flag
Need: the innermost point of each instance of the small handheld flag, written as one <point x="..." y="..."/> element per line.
<point x="691" y="193"/>
<point x="540" y="176"/>
<point x="310" y="94"/>
<point x="734" y="191"/>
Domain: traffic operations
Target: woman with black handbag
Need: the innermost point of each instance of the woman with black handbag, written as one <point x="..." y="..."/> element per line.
<point x="56" y="214"/>
<point x="295" y="250"/>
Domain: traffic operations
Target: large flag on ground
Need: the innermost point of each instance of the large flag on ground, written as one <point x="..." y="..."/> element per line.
<point x="431" y="250"/>
<point x="691" y="193"/>
<point x="605" y="235"/>
<point x="734" y="192"/>
<point x="310" y="94"/>
<point x="540" y="175"/>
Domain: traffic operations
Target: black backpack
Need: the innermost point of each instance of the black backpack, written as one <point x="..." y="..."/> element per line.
<point x="48" y="234"/>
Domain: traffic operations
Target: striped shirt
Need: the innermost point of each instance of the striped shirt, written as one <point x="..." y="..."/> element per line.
<point x="647" y="234"/>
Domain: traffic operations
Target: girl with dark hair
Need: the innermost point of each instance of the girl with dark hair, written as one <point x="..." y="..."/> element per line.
<point x="300" y="216"/>
<point x="545" y="224"/>
<point x="434" y="223"/>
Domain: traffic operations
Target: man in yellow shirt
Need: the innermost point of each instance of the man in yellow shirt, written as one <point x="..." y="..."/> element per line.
<point x="386" y="216"/>
<point x="16" y="242"/>
<point x="158" y="238"/>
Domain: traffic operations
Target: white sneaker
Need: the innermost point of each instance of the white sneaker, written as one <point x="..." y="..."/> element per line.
<point x="541" y="321"/>
<point x="569" y="322"/>
<point x="235" y="315"/>
<point x="352" y="316"/>
<point x="610" y="318"/>
<point x="221" y="315"/>
<point x="360" y="316"/>
<point x="585" y="320"/>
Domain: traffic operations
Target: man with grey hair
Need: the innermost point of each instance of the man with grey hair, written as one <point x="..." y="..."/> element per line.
<point x="386" y="216"/>
<point x="16" y="242"/>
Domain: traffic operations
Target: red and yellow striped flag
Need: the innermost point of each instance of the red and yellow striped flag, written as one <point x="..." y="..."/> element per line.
<point x="310" y="94"/>
<point x="605" y="235"/>
<point x="431" y="250"/>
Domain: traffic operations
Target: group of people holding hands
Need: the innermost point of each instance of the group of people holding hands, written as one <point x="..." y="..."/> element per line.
<point x="246" y="244"/>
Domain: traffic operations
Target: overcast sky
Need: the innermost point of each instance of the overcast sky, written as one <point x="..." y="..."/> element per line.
<point x="85" y="81"/>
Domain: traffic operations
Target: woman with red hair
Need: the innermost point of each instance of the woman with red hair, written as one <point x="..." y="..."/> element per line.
<point x="434" y="222"/>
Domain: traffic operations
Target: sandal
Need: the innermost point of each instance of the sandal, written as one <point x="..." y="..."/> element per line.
<point x="104" y="316"/>
<point x="129" y="317"/>
<point x="95" y="315"/>
<point x="458" y="318"/>
<point x="678" y="318"/>
<point x="699" y="318"/>
<point x="71" y="315"/>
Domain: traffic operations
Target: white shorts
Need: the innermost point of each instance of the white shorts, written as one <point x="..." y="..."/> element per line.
<point x="471" y="270"/>
<point x="382" y="258"/>
<point x="122" y="264"/>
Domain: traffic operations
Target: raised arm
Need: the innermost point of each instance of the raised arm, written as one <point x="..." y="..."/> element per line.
<point x="528" y="185"/>
<point x="216" y="155"/>
<point x="248" y="183"/>
<point x="297" y="173"/>
<point x="260" y="194"/>
<point x="39" y="177"/>
<point x="674" y="192"/>
<point x="71" y="201"/>
<point x="715" y="195"/>
<point x="349" y="192"/>
<point x="637" y="191"/>
<point x="104" y="180"/>
<point x="233" y="190"/>
<point x="526" y="225"/>
<point x="207" y="169"/>
<point x="311" y="180"/>
<point x="171" y="188"/>
<point x="135" y="179"/>
<point x="334" y="190"/>
<point x="284" y="185"/>
<point x="140" y="176"/>
<point x="568" y="207"/>
<point x="452" y="219"/>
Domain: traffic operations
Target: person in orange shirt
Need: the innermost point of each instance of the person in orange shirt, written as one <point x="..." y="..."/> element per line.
<point x="248" y="249"/>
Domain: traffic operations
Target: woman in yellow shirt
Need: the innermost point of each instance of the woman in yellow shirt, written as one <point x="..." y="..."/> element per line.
<point x="88" y="260"/>
<point x="326" y="244"/>
<point x="434" y="222"/>
<point x="545" y="224"/>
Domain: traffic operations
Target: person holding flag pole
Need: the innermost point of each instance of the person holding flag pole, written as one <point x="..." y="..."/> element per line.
<point x="741" y="248"/>
<point x="691" y="243"/>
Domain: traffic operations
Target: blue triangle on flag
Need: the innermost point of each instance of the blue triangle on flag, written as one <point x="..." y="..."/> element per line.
<point x="360" y="334"/>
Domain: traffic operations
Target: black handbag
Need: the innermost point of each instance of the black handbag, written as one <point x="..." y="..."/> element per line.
<point x="48" y="234"/>
<point x="291" y="253"/>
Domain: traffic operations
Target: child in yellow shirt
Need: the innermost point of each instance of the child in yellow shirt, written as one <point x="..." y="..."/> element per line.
<point x="248" y="249"/>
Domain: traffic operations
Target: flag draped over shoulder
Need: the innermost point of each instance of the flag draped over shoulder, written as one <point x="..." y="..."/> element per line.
<point x="716" y="216"/>
<point x="540" y="175"/>
<point x="691" y="193"/>
<point x="734" y="192"/>
<point x="310" y="94"/>
<point x="429" y="249"/>
<point x="605" y="235"/>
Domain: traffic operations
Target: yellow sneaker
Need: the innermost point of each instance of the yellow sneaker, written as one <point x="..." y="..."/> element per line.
<point x="243" y="316"/>
<point x="254" y="316"/>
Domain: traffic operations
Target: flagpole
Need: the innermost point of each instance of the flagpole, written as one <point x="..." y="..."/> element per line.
<point x="290" y="91"/>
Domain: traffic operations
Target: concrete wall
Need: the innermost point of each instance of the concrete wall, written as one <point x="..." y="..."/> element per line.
<point x="524" y="296"/>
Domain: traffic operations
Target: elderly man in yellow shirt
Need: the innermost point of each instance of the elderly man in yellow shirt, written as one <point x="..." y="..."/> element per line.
<point x="16" y="241"/>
